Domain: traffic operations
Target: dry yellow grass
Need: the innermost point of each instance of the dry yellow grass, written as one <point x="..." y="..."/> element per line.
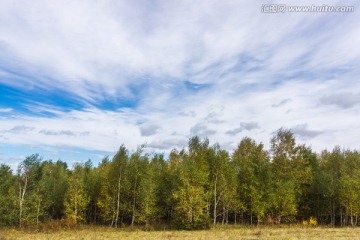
<point x="223" y="233"/>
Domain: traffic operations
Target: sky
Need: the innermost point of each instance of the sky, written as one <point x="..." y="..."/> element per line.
<point x="80" y="78"/>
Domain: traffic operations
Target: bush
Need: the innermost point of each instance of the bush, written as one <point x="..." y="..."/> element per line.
<point x="312" y="221"/>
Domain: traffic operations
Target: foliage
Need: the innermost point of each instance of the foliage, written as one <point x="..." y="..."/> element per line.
<point x="8" y="198"/>
<point x="76" y="197"/>
<point x="192" y="189"/>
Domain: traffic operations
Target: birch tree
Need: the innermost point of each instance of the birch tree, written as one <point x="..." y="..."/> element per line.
<point x="76" y="197"/>
<point x="28" y="175"/>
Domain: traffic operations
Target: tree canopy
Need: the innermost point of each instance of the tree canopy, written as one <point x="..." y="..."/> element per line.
<point x="192" y="188"/>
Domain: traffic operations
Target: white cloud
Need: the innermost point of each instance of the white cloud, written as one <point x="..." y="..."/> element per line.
<point x="342" y="100"/>
<point x="5" y="110"/>
<point x="282" y="103"/>
<point x="303" y="132"/>
<point x="168" y="144"/>
<point x="200" y="129"/>
<point x="149" y="130"/>
<point x="84" y="45"/>
<point x="272" y="70"/>
<point x="21" y="129"/>
<point x="243" y="126"/>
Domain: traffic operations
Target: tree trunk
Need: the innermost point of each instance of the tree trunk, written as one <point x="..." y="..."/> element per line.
<point x="223" y="216"/>
<point x="75" y="207"/>
<point x="215" y="203"/>
<point x="332" y="213"/>
<point x="118" y="202"/>
<point x="22" y="197"/>
<point x="113" y="219"/>
<point x="134" y="202"/>
<point x="227" y="216"/>
<point x="251" y="214"/>
<point x="341" y="217"/>
<point x="356" y="220"/>
<point x="38" y="212"/>
<point x="20" y="205"/>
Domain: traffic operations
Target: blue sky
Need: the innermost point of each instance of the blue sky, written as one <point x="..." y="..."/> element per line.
<point x="79" y="78"/>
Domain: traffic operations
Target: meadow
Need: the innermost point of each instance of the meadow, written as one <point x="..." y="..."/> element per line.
<point x="223" y="233"/>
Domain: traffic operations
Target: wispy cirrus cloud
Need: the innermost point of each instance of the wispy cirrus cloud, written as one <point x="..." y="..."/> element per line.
<point x="96" y="74"/>
<point x="64" y="132"/>
<point x="282" y="103"/>
<point x="181" y="44"/>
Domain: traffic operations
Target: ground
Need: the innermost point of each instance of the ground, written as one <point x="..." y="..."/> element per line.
<point x="223" y="233"/>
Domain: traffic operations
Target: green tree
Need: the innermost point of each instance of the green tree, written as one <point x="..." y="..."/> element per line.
<point x="77" y="198"/>
<point x="106" y="200"/>
<point x="305" y="169"/>
<point x="284" y="151"/>
<point x="92" y="182"/>
<point x="148" y="186"/>
<point x="331" y="164"/>
<point x="137" y="174"/>
<point x="8" y="197"/>
<point x="162" y="186"/>
<point x="349" y="187"/>
<point x="113" y="187"/>
<point x="192" y="208"/>
<point x="169" y="186"/>
<point x="29" y="174"/>
<point x="52" y="189"/>
<point x="222" y="183"/>
<point x="254" y="178"/>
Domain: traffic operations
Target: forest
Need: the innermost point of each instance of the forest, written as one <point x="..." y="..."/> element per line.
<point x="191" y="188"/>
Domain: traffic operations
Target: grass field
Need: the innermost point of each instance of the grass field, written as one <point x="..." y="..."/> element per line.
<point x="223" y="233"/>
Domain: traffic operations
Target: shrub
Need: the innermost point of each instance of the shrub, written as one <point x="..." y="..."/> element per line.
<point x="312" y="221"/>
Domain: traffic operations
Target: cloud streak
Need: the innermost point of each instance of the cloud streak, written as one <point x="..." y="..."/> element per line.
<point x="200" y="129"/>
<point x="248" y="126"/>
<point x="342" y="100"/>
<point x="303" y="132"/>
<point x="5" y="110"/>
<point x="282" y="103"/>
<point x="64" y="132"/>
<point x="96" y="74"/>
<point x="149" y="130"/>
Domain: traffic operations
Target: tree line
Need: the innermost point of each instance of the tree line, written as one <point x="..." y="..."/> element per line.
<point x="192" y="189"/>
